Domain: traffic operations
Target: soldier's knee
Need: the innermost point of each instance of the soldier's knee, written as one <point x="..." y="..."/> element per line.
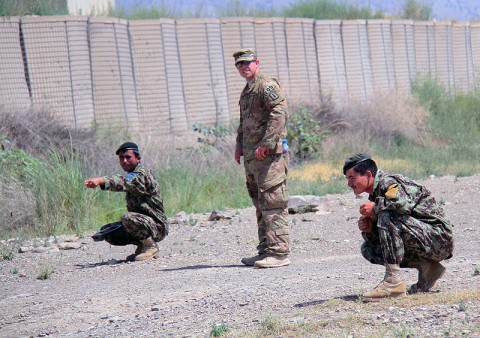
<point x="276" y="197"/>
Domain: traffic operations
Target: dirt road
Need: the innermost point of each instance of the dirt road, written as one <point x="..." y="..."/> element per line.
<point x="199" y="280"/>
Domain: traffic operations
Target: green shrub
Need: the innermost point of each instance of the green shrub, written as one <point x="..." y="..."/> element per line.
<point x="211" y="135"/>
<point x="218" y="329"/>
<point x="416" y="10"/>
<point x="14" y="161"/>
<point x="330" y="9"/>
<point x="305" y="133"/>
<point x="454" y="120"/>
<point x="45" y="273"/>
<point x="7" y="252"/>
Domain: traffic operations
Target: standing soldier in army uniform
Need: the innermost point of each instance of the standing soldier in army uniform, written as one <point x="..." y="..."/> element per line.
<point x="402" y="225"/>
<point x="263" y="118"/>
<point x="145" y="223"/>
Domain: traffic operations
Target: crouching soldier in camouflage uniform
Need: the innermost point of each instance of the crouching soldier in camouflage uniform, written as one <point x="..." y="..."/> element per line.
<point x="263" y="117"/>
<point x="145" y="223"/>
<point x="402" y="225"/>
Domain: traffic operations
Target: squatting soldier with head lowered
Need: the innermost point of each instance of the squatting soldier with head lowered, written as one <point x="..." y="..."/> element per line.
<point x="263" y="118"/>
<point x="402" y="225"/>
<point x="145" y="223"/>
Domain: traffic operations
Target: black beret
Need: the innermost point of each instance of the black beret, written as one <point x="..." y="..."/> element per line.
<point x="127" y="146"/>
<point x="354" y="160"/>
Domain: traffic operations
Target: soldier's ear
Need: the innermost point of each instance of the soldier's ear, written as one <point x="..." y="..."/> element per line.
<point x="368" y="173"/>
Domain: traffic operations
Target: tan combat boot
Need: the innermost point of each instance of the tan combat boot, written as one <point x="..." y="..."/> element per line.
<point x="392" y="285"/>
<point x="250" y="261"/>
<point x="138" y="251"/>
<point x="273" y="261"/>
<point x="428" y="274"/>
<point x="149" y="249"/>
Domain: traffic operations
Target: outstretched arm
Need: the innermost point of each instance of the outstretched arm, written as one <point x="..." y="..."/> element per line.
<point x="94" y="182"/>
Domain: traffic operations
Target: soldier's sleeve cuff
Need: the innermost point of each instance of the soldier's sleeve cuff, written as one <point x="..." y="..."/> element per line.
<point x="106" y="185"/>
<point x="269" y="144"/>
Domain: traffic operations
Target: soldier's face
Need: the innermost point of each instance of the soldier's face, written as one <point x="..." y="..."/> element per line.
<point x="128" y="160"/>
<point x="359" y="183"/>
<point x="248" y="70"/>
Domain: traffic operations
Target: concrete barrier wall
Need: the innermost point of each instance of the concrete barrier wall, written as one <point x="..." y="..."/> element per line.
<point x="161" y="76"/>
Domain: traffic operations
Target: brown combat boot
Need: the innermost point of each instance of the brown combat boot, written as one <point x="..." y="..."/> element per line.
<point x="138" y="251"/>
<point x="149" y="249"/>
<point x="392" y="285"/>
<point x="250" y="261"/>
<point x="428" y="274"/>
<point x="275" y="261"/>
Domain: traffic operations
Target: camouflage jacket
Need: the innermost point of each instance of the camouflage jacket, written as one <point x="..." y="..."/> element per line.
<point x="143" y="193"/>
<point x="263" y="116"/>
<point x="404" y="196"/>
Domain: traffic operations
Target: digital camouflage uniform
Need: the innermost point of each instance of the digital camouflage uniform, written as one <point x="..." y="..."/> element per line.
<point x="145" y="216"/>
<point x="263" y="117"/>
<point x="410" y="224"/>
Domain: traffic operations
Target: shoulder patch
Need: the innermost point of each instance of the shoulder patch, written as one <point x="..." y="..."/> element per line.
<point x="273" y="95"/>
<point x="271" y="92"/>
<point x="269" y="89"/>
<point x="391" y="192"/>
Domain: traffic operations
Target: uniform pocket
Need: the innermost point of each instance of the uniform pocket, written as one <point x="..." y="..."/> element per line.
<point x="271" y="172"/>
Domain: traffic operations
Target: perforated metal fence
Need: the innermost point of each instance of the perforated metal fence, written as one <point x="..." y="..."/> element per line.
<point x="162" y="76"/>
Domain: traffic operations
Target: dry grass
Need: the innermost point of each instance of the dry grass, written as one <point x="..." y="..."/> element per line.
<point x="339" y="317"/>
<point x="314" y="171"/>
<point x="388" y="118"/>
<point x="440" y="298"/>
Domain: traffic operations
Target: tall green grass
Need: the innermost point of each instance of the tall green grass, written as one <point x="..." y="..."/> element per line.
<point x="201" y="180"/>
<point x="451" y="144"/>
<point x="62" y="204"/>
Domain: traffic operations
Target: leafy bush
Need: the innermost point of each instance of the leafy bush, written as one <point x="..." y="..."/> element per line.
<point x="305" y="133"/>
<point x="218" y="329"/>
<point x="7" y="252"/>
<point x="45" y="273"/>
<point x="211" y="135"/>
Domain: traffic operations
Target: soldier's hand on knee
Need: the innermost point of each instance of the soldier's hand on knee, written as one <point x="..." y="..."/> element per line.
<point x="365" y="224"/>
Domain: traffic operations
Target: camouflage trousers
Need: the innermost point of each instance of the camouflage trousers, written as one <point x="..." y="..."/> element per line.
<point x="401" y="239"/>
<point x="136" y="227"/>
<point x="266" y="184"/>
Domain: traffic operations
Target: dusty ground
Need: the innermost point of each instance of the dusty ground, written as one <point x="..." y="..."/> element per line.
<point x="199" y="281"/>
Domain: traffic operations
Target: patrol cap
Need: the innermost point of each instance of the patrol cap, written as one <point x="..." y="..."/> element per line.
<point x="127" y="146"/>
<point x="245" y="55"/>
<point x="354" y="160"/>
